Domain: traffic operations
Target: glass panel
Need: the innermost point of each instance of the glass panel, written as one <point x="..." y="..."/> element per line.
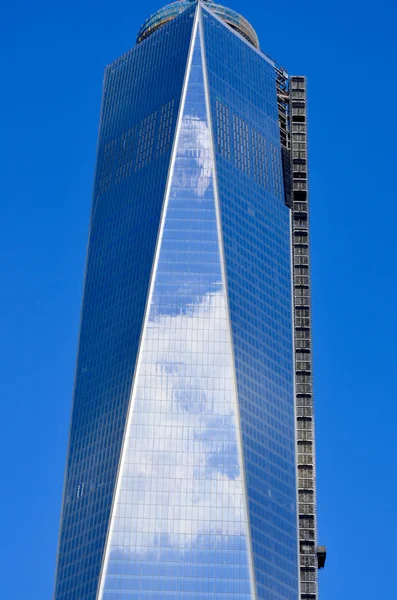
<point x="128" y="198"/>
<point x="179" y="528"/>
<point x="256" y="236"/>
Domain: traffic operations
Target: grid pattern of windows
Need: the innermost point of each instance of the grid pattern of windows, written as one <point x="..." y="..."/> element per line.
<point x="222" y="129"/>
<point x="256" y="237"/>
<point x="241" y="144"/>
<point x="123" y="233"/>
<point x="259" y="159"/>
<point x="128" y="148"/>
<point x="276" y="172"/>
<point x="179" y="524"/>
<point x="210" y="439"/>
<point x="250" y="151"/>
<point x="107" y="164"/>
<point x="126" y="151"/>
<point x="145" y="141"/>
<point x="165" y="127"/>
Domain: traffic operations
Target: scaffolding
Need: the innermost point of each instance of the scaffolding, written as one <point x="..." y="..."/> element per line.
<point x="292" y="112"/>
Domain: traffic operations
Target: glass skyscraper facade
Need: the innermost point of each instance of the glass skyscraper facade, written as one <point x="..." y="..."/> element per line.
<point x="190" y="470"/>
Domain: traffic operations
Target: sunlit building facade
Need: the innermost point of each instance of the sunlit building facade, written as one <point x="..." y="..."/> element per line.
<point x="190" y="470"/>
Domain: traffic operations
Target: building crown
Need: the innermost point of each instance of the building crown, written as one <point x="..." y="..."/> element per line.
<point x="169" y="12"/>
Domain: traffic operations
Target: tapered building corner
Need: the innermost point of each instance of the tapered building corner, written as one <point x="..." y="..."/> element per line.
<point x="191" y="462"/>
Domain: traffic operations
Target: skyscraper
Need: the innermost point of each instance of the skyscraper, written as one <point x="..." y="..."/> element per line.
<point x="190" y="470"/>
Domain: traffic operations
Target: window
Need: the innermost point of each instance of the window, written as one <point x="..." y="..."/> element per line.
<point x="241" y="144"/>
<point x="222" y="130"/>
<point x="164" y="134"/>
<point x="145" y="141"/>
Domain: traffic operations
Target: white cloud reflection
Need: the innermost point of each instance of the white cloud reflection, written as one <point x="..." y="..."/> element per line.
<point x="194" y="144"/>
<point x="181" y="487"/>
<point x="181" y="478"/>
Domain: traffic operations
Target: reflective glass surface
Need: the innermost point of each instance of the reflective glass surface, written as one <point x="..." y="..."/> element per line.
<point x="204" y="507"/>
<point x="141" y="99"/>
<point x="256" y="235"/>
<point x="179" y="524"/>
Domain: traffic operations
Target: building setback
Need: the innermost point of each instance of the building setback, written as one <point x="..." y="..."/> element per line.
<point x="191" y="465"/>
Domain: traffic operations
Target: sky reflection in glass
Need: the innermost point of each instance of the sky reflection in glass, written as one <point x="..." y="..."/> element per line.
<point x="179" y="526"/>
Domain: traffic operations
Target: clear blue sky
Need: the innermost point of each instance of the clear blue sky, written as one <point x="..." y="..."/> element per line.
<point x="53" y="56"/>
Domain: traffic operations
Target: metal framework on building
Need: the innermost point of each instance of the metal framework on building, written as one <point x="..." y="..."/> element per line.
<point x="303" y="342"/>
<point x="293" y="132"/>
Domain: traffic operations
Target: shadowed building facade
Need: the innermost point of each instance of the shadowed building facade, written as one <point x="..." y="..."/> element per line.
<point x="190" y="470"/>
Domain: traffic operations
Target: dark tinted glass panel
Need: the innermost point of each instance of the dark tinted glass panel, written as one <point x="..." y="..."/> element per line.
<point x="256" y="235"/>
<point x="141" y="99"/>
